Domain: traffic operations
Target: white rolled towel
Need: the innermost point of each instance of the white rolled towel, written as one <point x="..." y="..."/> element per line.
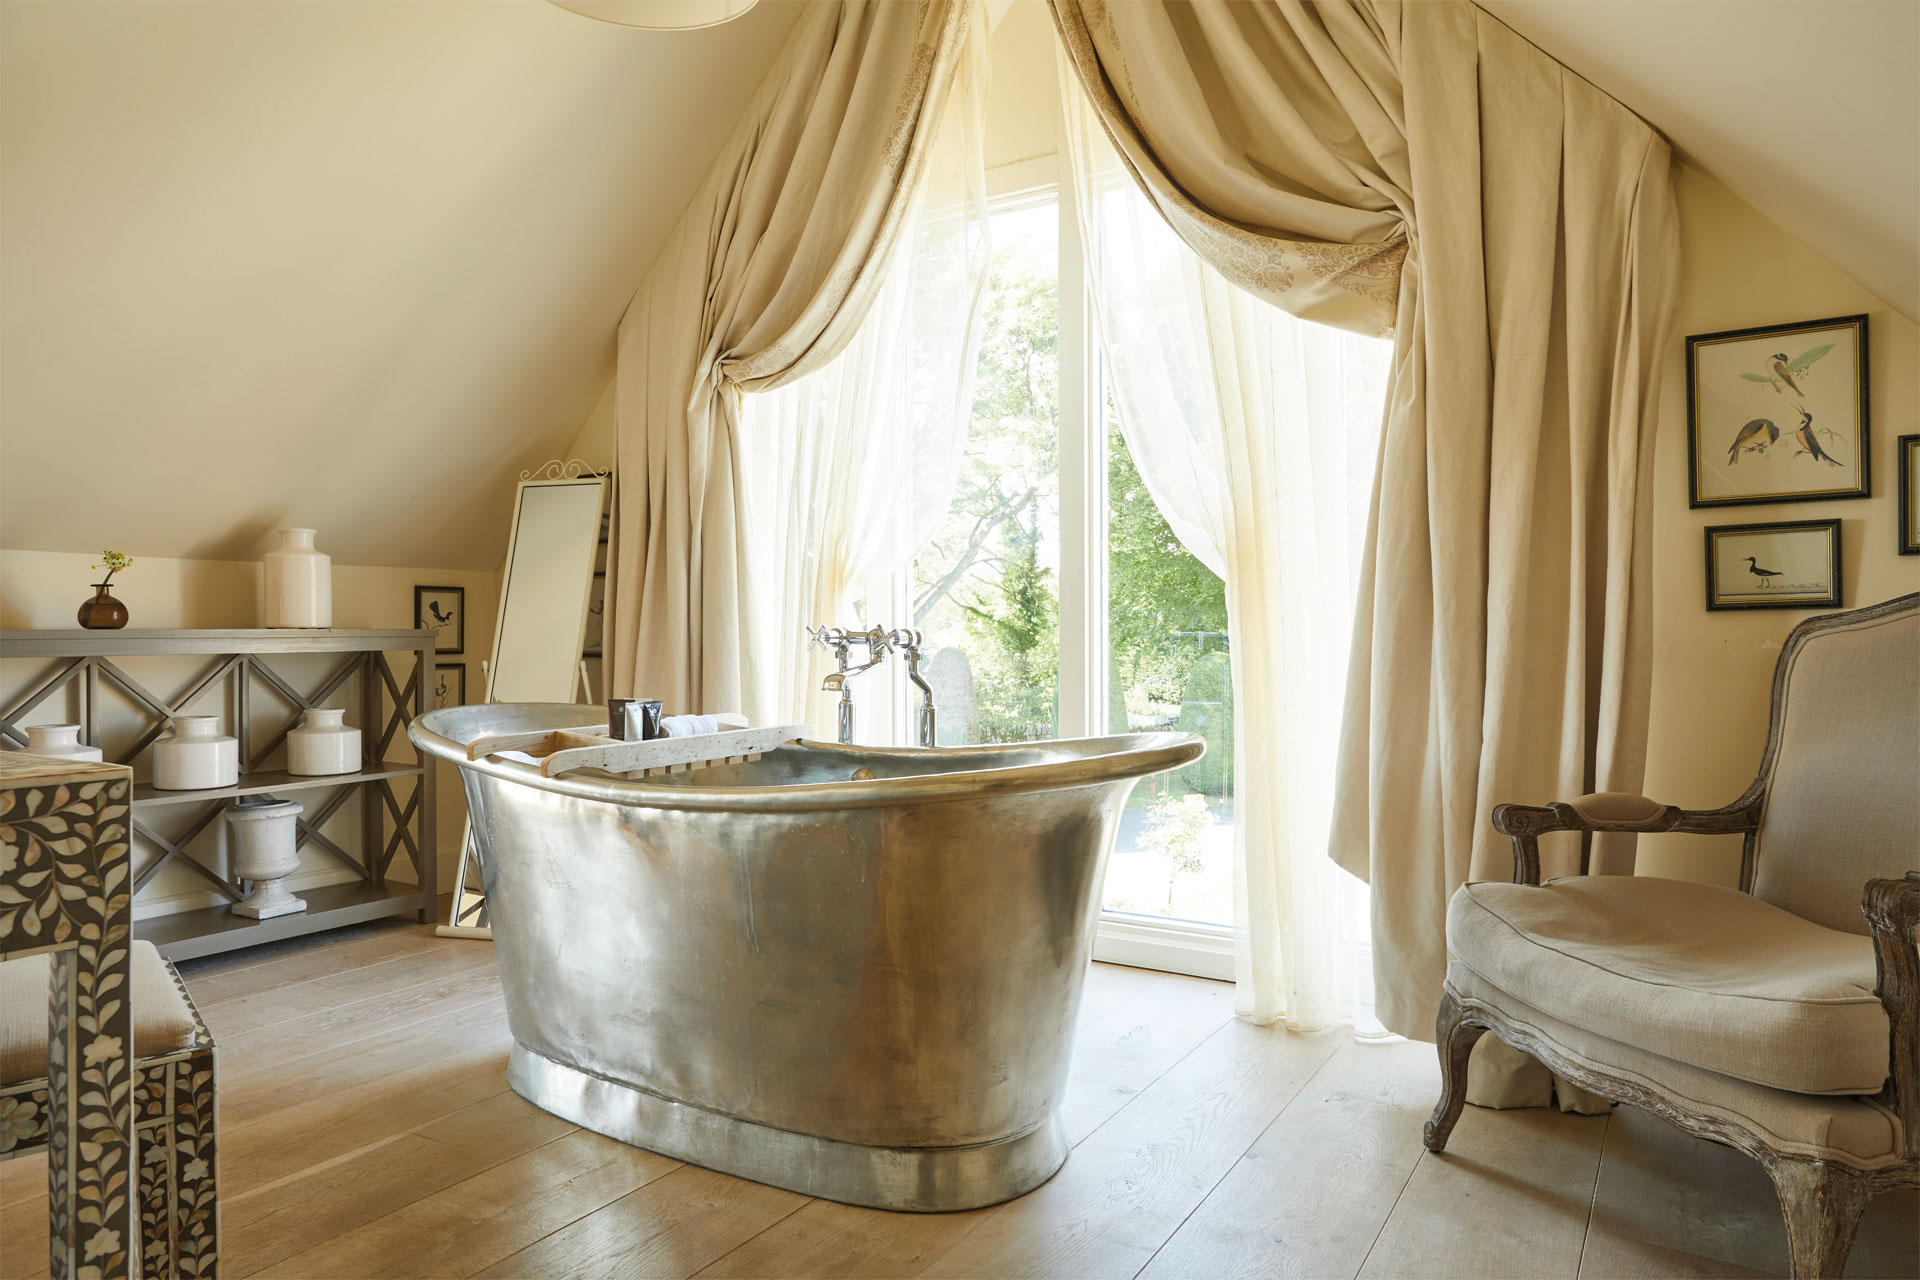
<point x="693" y="726"/>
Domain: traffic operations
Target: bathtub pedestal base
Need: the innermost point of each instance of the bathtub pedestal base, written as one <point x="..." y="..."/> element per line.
<point x="914" y="1179"/>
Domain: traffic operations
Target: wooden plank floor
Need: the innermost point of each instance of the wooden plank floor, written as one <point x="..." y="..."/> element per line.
<point x="367" y="1130"/>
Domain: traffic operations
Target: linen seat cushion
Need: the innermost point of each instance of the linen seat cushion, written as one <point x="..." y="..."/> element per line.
<point x="1858" y="1131"/>
<point x="1697" y="973"/>
<point x="163" y="1021"/>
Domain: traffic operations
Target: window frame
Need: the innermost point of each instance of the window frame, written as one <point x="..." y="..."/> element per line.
<point x="1200" y="949"/>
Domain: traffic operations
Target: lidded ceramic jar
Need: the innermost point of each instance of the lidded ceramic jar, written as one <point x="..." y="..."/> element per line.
<point x="195" y="755"/>
<point x="323" y="744"/>
<point x="262" y="834"/>
<point x="299" y="583"/>
<point x="58" y="742"/>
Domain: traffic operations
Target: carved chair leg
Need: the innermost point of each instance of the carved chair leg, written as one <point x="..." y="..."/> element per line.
<point x="1455" y="1039"/>
<point x="1822" y="1204"/>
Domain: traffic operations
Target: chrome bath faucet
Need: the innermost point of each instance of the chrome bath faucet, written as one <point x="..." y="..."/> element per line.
<point x="879" y="643"/>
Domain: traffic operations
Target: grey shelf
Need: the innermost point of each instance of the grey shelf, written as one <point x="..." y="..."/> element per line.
<point x="132" y="642"/>
<point x="186" y="935"/>
<point x="271" y="782"/>
<point x="240" y="669"/>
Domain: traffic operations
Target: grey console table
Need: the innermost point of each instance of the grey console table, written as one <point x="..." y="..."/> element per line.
<point x="394" y="783"/>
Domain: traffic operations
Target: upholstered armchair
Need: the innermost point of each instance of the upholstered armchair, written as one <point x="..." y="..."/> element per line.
<point x="1782" y="1018"/>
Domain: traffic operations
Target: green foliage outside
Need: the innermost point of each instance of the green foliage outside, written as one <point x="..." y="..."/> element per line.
<point x="987" y="582"/>
<point x="1174" y="827"/>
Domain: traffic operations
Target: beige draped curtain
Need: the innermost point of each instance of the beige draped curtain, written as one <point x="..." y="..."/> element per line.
<point x="766" y="277"/>
<point x="1255" y="432"/>
<point x="850" y="469"/>
<point x="1419" y="170"/>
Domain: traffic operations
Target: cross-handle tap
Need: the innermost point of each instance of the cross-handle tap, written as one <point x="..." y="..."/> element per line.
<point x="838" y="640"/>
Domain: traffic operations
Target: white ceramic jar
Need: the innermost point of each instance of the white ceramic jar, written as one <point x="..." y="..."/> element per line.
<point x="298" y="591"/>
<point x="194" y="755"/>
<point x="323" y="744"/>
<point x="262" y="832"/>
<point x="58" y="742"/>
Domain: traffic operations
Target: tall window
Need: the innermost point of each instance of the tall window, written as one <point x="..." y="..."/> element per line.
<point x="1168" y="669"/>
<point x="986" y="589"/>
<point x="1055" y="601"/>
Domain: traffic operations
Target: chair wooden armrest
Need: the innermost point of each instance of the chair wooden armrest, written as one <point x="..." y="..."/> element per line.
<point x="1614" y="811"/>
<point x="1892" y="909"/>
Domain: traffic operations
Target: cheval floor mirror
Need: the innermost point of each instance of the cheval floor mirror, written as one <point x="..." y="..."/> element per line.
<point x="554" y="558"/>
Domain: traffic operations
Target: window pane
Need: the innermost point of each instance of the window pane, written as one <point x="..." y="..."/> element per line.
<point x="1169" y="669"/>
<point x="986" y="588"/>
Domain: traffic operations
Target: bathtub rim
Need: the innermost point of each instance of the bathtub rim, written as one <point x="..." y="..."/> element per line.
<point x="1148" y="753"/>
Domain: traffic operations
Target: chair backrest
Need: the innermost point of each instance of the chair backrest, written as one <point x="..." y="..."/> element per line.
<point x="1842" y="763"/>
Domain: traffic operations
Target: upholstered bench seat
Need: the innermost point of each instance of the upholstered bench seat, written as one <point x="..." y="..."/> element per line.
<point x="1695" y="973"/>
<point x="162" y="1021"/>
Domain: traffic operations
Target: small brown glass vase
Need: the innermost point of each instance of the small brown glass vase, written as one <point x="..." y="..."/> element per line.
<point x="101" y="612"/>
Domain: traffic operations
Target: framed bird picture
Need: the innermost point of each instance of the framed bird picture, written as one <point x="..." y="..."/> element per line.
<point x="449" y="686"/>
<point x="1794" y="564"/>
<point x="1909" y="451"/>
<point x="443" y="611"/>
<point x="1778" y="414"/>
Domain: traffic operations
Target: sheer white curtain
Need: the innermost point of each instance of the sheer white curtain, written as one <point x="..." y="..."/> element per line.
<point x="849" y="469"/>
<point x="1256" y="434"/>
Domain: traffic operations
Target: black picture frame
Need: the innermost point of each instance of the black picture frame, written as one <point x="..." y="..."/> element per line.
<point x="452" y="678"/>
<point x="1907" y="452"/>
<point x="1720" y="598"/>
<point x="1695" y="343"/>
<point x="457" y="624"/>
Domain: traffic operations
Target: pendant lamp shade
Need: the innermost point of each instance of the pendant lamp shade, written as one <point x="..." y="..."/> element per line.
<point x="660" y="15"/>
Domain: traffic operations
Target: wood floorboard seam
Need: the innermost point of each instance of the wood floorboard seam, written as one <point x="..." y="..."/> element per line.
<point x="1201" y="1202"/>
<point x="337" y="1009"/>
<point x="477" y="1173"/>
<point x="336" y="1048"/>
<point x="744" y="1243"/>
<point x="1119" y="1111"/>
<point x="1388" y="1219"/>
<point x="307" y="1171"/>
<point x="1593" y="1199"/>
<point x="750" y="1239"/>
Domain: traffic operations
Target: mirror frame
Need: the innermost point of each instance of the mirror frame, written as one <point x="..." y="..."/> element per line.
<point x="594" y="480"/>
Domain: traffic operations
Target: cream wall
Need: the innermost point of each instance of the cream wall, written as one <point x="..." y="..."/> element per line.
<point x="40" y="590"/>
<point x="1712" y="672"/>
<point x="343" y="266"/>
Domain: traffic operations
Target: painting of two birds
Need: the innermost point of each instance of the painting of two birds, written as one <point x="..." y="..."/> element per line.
<point x="1778" y="413"/>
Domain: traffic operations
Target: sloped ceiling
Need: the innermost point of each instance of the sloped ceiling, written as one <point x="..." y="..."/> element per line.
<point x="344" y="265"/>
<point x="1809" y="110"/>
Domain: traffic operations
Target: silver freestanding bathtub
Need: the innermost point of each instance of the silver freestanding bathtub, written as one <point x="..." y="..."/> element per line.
<point x="851" y="972"/>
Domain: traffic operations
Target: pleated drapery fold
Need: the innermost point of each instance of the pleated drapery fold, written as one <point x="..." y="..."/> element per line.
<point x="1420" y="170"/>
<point x="766" y="277"/>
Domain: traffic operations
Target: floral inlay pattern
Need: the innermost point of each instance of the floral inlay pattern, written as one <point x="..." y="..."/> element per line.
<point x="65" y="889"/>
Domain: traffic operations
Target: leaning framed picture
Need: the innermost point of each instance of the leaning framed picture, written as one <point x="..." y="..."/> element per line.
<point x="1792" y="564"/>
<point x="450" y="686"/>
<point x="1907" y="449"/>
<point x="443" y="611"/>
<point x="1778" y="414"/>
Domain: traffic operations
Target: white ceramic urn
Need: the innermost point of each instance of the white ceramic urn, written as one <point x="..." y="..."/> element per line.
<point x="323" y="744"/>
<point x="194" y="755"/>
<point x="299" y="583"/>
<point x="263" y="853"/>
<point x="58" y="742"/>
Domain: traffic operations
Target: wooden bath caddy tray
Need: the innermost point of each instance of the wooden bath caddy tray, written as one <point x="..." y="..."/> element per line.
<point x="588" y="747"/>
